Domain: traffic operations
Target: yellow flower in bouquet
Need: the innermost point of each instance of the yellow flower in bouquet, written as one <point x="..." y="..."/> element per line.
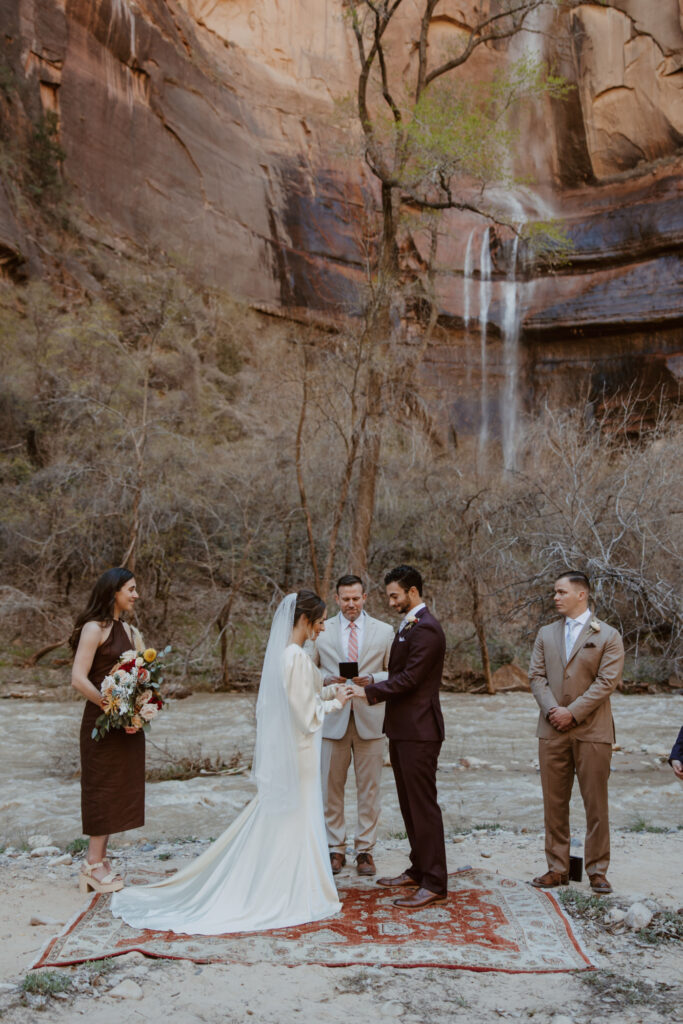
<point x="137" y="722"/>
<point x="149" y="655"/>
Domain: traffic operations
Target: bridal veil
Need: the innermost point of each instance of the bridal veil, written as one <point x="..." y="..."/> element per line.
<point x="275" y="768"/>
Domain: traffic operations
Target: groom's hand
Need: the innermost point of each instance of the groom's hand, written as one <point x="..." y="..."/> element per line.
<point x="358" y="692"/>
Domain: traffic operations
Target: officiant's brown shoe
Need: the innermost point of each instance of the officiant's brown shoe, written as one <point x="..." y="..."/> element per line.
<point x="551" y="879"/>
<point x="600" y="885"/>
<point x="337" y="860"/>
<point x="365" y="865"/>
<point x="398" y="881"/>
<point x="422" y="898"/>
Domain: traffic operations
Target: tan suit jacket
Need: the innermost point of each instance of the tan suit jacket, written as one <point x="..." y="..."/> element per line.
<point x="378" y="637"/>
<point x="583" y="684"/>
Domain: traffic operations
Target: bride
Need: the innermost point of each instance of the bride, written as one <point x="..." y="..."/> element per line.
<point x="271" y="867"/>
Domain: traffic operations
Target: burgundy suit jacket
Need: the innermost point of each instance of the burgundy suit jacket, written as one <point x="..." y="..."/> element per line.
<point x="411" y="692"/>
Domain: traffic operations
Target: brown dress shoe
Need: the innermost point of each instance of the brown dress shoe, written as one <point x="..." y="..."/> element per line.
<point x="600" y="885"/>
<point x="398" y="881"/>
<point x="551" y="879"/>
<point x="365" y="865"/>
<point x="337" y="860"/>
<point x="422" y="898"/>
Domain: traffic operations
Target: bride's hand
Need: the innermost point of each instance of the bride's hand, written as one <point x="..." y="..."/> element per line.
<point x="131" y="730"/>
<point x="343" y="694"/>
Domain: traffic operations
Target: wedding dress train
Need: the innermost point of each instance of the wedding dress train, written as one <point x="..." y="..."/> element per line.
<point x="267" y="870"/>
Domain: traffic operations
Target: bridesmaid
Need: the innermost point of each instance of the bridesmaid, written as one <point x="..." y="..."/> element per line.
<point x="113" y="767"/>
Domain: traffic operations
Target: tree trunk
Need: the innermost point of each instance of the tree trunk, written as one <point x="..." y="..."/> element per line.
<point x="378" y="328"/>
<point x="480" y="628"/>
<point x="222" y="620"/>
<point x="389" y="253"/>
<point x="303" y="497"/>
<point x="364" y="509"/>
<point x="364" y="506"/>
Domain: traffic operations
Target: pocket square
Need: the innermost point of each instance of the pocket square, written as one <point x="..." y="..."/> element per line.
<point x="402" y="639"/>
<point x="588" y="645"/>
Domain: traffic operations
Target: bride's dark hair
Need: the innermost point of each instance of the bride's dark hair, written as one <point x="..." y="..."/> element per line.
<point x="100" y="607"/>
<point x="309" y="604"/>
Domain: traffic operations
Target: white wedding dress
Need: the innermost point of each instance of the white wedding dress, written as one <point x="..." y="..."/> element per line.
<point x="267" y="870"/>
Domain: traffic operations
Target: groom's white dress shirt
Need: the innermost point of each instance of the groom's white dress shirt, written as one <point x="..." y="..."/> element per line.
<point x="410" y="614"/>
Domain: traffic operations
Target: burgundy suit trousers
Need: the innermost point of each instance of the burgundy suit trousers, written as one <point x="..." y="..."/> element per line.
<point x="414" y="763"/>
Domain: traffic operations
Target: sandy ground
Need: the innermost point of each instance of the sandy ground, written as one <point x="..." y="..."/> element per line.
<point x="488" y="776"/>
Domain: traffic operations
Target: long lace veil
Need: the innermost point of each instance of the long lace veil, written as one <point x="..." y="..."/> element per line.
<point x="275" y="764"/>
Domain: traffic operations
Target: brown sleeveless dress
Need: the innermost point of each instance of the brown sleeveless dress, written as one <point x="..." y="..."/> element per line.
<point x="112" y="768"/>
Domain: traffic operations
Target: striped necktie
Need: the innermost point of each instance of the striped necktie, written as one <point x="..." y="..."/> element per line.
<point x="353" y="642"/>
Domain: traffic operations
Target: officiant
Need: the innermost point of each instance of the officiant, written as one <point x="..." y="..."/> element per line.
<point x="356" y="730"/>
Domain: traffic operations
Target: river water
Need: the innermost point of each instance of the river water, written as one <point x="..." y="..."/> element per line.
<point x="493" y="736"/>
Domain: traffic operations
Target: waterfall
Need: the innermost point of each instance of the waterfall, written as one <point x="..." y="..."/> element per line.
<point x="467" y="279"/>
<point x="484" y="303"/>
<point x="511" y="325"/>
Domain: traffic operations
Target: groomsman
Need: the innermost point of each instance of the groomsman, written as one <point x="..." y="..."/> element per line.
<point x="356" y="730"/>
<point x="576" y="665"/>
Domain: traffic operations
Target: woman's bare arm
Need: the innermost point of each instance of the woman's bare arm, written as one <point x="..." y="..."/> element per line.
<point x="92" y="635"/>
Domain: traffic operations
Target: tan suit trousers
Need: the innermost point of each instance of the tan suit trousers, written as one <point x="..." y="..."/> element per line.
<point x="561" y="758"/>
<point x="368" y="757"/>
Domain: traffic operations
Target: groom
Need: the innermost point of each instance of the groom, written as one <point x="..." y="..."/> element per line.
<point x="414" y="724"/>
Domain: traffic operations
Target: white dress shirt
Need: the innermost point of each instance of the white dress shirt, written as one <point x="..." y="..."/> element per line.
<point x="410" y="614"/>
<point x="572" y="628"/>
<point x="346" y="629"/>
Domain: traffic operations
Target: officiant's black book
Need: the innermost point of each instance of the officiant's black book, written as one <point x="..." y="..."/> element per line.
<point x="348" y="669"/>
<point x="575" y="869"/>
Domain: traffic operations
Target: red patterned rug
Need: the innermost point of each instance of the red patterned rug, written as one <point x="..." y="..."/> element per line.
<point x="489" y="923"/>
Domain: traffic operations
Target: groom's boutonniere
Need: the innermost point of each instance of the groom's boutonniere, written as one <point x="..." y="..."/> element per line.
<point x="595" y="625"/>
<point x="411" y="621"/>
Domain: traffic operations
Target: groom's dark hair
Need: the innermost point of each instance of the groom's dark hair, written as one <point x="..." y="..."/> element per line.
<point x="349" y="581"/>
<point x="406" y="576"/>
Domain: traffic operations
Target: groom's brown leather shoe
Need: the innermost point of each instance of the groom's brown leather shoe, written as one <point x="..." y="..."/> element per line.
<point x="398" y="881"/>
<point x="551" y="879"/>
<point x="600" y="885"/>
<point x="422" y="898"/>
<point x="337" y="861"/>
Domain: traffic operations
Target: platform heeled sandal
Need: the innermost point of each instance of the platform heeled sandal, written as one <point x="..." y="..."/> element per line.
<point x="110" y="883"/>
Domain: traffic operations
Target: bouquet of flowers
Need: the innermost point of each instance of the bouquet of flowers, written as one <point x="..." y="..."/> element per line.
<point x="130" y="693"/>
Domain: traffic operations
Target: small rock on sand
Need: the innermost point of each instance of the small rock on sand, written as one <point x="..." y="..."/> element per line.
<point x="64" y="858"/>
<point x="638" y="916"/>
<point x="126" y="990"/>
<point x="39" y="840"/>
